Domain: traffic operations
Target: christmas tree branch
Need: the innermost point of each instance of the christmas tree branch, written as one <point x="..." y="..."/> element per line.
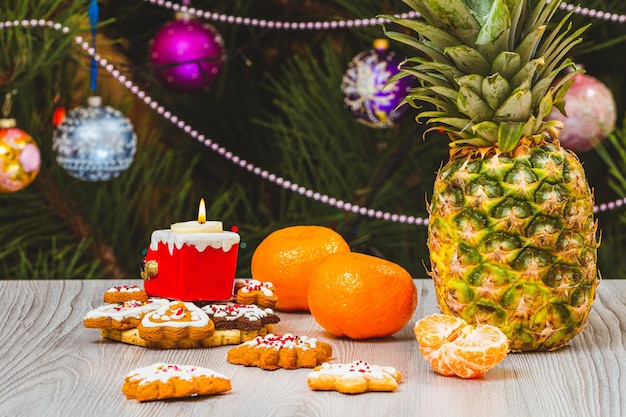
<point x="391" y="165"/>
<point x="81" y="228"/>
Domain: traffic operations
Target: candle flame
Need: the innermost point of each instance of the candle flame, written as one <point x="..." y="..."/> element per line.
<point x="202" y="212"/>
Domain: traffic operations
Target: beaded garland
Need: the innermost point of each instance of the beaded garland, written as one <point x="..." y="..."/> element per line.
<point x="286" y="184"/>
<point x="340" y="24"/>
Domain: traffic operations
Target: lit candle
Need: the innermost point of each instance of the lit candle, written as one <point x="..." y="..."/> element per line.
<point x="198" y="226"/>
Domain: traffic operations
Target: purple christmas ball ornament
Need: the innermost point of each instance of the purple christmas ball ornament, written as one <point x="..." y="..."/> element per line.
<point x="370" y="99"/>
<point x="187" y="55"/>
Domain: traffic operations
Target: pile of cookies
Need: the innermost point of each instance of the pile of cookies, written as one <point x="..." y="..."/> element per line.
<point x="131" y="316"/>
<point x="247" y="321"/>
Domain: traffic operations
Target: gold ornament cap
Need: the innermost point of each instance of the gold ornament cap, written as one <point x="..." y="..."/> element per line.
<point x="381" y="44"/>
<point x="7" y="123"/>
<point x="184" y="16"/>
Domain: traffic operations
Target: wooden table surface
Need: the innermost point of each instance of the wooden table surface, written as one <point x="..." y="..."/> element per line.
<point x="50" y="365"/>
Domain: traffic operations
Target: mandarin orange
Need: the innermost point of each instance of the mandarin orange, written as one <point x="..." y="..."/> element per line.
<point x="453" y="347"/>
<point x="361" y="296"/>
<point x="287" y="257"/>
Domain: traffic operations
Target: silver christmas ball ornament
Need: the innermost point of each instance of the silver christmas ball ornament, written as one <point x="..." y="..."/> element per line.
<point x="95" y="142"/>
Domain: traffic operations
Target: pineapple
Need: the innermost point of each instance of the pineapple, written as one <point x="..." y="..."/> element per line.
<point x="511" y="233"/>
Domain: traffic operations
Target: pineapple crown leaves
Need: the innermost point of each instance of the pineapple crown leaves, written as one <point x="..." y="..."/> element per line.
<point x="488" y="67"/>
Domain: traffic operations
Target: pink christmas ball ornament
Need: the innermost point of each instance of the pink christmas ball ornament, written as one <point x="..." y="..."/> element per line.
<point x="591" y="114"/>
<point x="187" y="55"/>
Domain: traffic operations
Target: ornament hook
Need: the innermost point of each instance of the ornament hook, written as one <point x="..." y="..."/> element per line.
<point x="8" y="101"/>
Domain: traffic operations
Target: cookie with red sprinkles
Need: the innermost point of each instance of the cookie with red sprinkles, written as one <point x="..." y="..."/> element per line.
<point x="271" y="352"/>
<point x="162" y="381"/>
<point x="123" y="293"/>
<point x="252" y="291"/>
<point x="353" y="378"/>
<point x="176" y="320"/>
<point x="123" y="315"/>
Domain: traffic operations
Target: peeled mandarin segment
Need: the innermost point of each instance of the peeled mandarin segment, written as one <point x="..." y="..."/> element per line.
<point x="438" y="363"/>
<point x="462" y="368"/>
<point x="484" y="345"/>
<point x="476" y="353"/>
<point x="434" y="330"/>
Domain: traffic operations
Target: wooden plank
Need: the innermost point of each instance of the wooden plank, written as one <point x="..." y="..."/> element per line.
<point x="50" y="365"/>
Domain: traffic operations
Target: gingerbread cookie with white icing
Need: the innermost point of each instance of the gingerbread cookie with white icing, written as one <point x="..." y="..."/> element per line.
<point x="229" y="316"/>
<point x="161" y="381"/>
<point x="176" y="321"/>
<point x="123" y="315"/>
<point x="272" y="352"/>
<point x="353" y="378"/>
<point x="252" y="291"/>
<point x="123" y="293"/>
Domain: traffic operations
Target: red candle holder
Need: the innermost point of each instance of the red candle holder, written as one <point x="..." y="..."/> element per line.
<point x="191" y="266"/>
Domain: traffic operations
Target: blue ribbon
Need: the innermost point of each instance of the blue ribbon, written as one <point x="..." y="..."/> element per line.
<point x="93" y="20"/>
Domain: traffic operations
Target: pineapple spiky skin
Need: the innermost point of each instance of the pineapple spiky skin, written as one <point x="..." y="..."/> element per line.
<point x="512" y="234"/>
<point x="512" y="243"/>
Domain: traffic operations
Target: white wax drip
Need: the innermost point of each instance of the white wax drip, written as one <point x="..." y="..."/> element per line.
<point x="201" y="241"/>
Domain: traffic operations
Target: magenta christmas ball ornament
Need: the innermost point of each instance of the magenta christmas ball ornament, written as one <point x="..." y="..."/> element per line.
<point x="591" y="114"/>
<point x="366" y="93"/>
<point x="187" y="55"/>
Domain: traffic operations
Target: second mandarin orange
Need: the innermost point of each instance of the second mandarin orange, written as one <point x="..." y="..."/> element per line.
<point x="361" y="296"/>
